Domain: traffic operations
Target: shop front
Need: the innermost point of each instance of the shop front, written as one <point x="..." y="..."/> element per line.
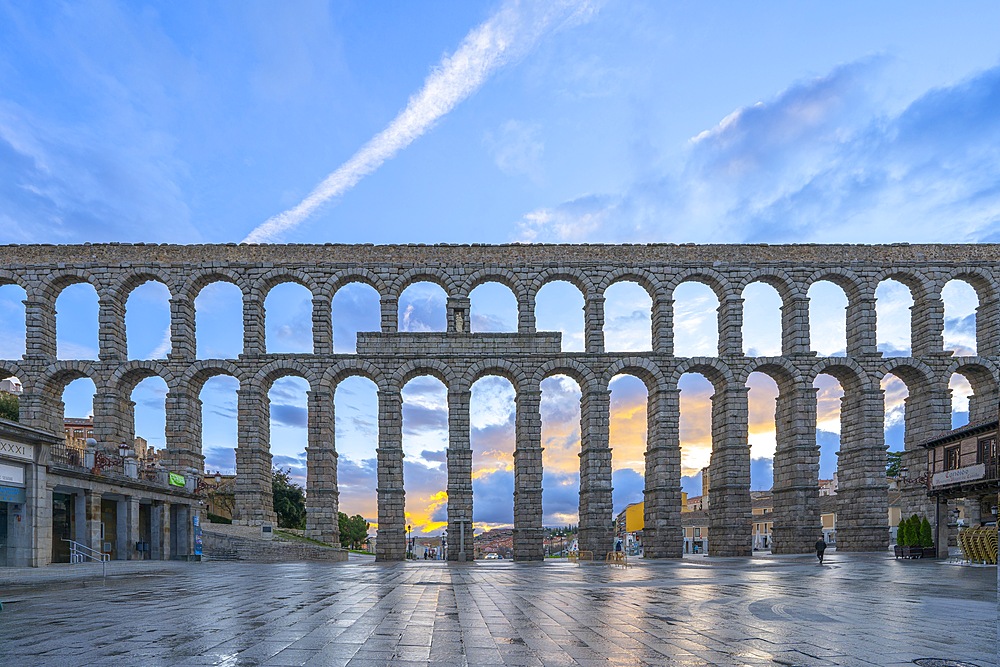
<point x="22" y="494"/>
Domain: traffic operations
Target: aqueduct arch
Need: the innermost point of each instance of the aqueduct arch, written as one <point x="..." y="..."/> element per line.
<point x="388" y="357"/>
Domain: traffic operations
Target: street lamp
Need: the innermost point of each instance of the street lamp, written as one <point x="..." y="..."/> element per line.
<point x="409" y="543"/>
<point x="123" y="450"/>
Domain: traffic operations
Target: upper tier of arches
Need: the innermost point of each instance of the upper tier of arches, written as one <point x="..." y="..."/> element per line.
<point x="794" y="334"/>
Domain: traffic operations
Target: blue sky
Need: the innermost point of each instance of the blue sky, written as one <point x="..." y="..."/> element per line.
<point x="487" y="122"/>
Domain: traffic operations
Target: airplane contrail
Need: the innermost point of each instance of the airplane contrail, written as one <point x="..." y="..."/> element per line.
<point x="510" y="33"/>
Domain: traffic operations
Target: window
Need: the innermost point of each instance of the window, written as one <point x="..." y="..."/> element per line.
<point x="697" y="532"/>
<point x="986" y="452"/>
<point x="951" y="458"/>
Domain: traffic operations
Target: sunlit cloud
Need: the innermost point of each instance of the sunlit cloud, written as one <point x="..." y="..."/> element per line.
<point x="506" y="36"/>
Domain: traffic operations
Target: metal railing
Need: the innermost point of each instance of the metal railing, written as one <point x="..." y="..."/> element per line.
<point x="81" y="553"/>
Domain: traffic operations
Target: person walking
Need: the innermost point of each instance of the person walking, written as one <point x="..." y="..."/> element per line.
<point x="820" y="549"/>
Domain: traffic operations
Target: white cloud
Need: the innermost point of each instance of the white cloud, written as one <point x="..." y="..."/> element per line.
<point x="517" y="148"/>
<point x="163" y="349"/>
<point x="505" y="36"/>
<point x="823" y="161"/>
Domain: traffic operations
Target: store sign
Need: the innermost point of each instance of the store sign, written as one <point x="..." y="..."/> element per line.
<point x="17" y="450"/>
<point x="11" y="474"/>
<point x="9" y="494"/>
<point x="175" y="480"/>
<point x="967" y="474"/>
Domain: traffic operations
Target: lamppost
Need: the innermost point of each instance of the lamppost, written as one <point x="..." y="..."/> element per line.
<point x="409" y="542"/>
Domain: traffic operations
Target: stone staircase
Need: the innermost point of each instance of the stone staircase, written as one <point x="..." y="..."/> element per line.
<point x="224" y="542"/>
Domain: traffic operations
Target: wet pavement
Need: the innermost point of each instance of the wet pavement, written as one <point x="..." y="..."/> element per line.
<point x="855" y="610"/>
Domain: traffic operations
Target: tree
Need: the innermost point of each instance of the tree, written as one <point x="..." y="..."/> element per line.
<point x="926" y="537"/>
<point x="9" y="407"/>
<point x="353" y="530"/>
<point x="894" y="463"/>
<point x="903" y="533"/>
<point x="289" y="500"/>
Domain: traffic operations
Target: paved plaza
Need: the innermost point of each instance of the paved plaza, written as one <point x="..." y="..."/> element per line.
<point x="854" y="610"/>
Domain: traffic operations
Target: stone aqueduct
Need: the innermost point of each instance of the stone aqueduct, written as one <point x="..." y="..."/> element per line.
<point x="458" y="358"/>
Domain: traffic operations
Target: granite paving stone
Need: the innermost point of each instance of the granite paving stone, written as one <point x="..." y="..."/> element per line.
<point x="855" y="611"/>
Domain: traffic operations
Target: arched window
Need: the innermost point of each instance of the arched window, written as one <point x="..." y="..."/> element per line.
<point x="559" y="307"/>
<point x="77" y="316"/>
<point x="288" y="319"/>
<point x="356" y="307"/>
<point x="218" y="311"/>
<point x="761" y="321"/>
<point x="828" y="319"/>
<point x="423" y="307"/>
<point x="147" y="321"/>
<point x="893" y="303"/>
<point x="493" y="308"/>
<point x="627" y="318"/>
<point x="696" y="321"/>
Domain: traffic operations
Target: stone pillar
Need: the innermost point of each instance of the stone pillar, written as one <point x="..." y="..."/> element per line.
<point x="183" y="433"/>
<point x="797" y="523"/>
<point x="113" y="419"/>
<point x="731" y="326"/>
<point x="459" y="314"/>
<point x="391" y="543"/>
<point x="322" y="325"/>
<point x="927" y="412"/>
<point x="862" y="493"/>
<point x="122" y="532"/>
<point x="159" y="530"/>
<point x="132" y="533"/>
<point x="111" y="329"/>
<point x="596" y="508"/>
<point x="795" y="326"/>
<point x="81" y="533"/>
<point x="861" y="326"/>
<point x="662" y="536"/>
<point x="942" y="532"/>
<point x="593" y="324"/>
<point x="663" y="327"/>
<point x="459" y="476"/>
<point x="41" y="411"/>
<point x="526" y="315"/>
<point x="988" y="326"/>
<point x="254" y="501"/>
<point x="183" y="341"/>
<point x="983" y="403"/>
<point x="390" y="314"/>
<point x="322" y="494"/>
<point x="182" y="541"/>
<point x="528" y="530"/>
<point x="730" y="510"/>
<point x="927" y="325"/>
<point x="92" y="517"/>
<point x="254" y="332"/>
<point x="39" y="329"/>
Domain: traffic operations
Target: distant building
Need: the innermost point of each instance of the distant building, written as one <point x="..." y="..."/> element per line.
<point x="11" y="386"/>
<point x="828" y="487"/>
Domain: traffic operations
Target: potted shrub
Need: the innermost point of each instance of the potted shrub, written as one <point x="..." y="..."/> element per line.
<point x="927" y="539"/>
<point x="900" y="538"/>
<point x="911" y="538"/>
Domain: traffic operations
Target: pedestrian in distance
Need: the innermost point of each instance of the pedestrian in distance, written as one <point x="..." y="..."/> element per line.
<point x="820" y="549"/>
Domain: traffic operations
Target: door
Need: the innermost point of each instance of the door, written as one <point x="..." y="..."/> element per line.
<point x="3" y="534"/>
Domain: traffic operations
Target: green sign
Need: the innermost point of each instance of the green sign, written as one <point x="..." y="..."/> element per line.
<point x="175" y="480"/>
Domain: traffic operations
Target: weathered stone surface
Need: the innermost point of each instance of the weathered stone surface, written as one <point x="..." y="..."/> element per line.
<point x="458" y="358"/>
